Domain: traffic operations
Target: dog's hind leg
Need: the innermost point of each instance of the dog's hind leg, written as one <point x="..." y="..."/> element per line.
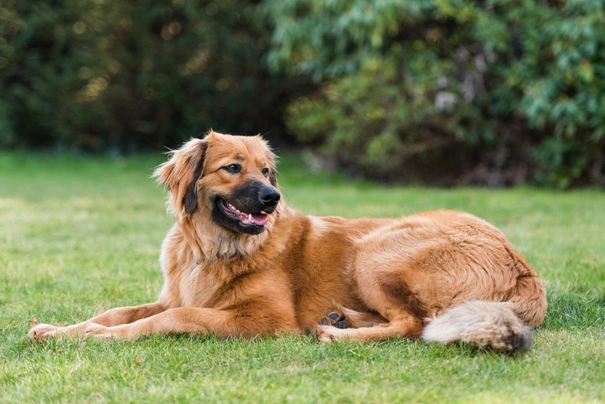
<point x="403" y="325"/>
<point x="342" y="317"/>
<point x="399" y="309"/>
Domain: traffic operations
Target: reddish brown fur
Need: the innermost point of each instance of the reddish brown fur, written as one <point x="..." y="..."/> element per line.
<point x="386" y="275"/>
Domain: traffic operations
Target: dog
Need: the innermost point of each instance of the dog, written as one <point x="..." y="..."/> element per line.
<point x="240" y="262"/>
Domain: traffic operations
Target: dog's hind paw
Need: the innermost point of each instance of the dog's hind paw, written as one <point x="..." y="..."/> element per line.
<point x="328" y="333"/>
<point x="324" y="334"/>
<point x="335" y="319"/>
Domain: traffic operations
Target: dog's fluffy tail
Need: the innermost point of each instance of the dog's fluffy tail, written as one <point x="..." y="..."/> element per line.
<point x="492" y="325"/>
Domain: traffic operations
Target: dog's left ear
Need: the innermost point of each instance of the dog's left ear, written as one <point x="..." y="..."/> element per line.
<point x="180" y="174"/>
<point x="272" y="161"/>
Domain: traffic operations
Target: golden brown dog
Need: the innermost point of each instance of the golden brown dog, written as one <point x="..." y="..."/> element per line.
<point x="240" y="262"/>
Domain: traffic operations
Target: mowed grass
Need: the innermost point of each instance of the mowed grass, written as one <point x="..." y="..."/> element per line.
<point x="81" y="235"/>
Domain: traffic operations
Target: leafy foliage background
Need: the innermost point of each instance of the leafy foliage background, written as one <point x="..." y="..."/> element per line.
<point x="496" y="93"/>
<point x="126" y="75"/>
<point x="493" y="92"/>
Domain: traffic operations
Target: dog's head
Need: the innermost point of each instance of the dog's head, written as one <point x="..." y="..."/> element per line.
<point x="230" y="179"/>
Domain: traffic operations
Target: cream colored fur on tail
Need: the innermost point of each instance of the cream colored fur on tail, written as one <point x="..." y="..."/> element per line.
<point x="484" y="324"/>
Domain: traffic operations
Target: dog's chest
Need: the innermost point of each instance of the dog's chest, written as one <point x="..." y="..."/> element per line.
<point x="197" y="288"/>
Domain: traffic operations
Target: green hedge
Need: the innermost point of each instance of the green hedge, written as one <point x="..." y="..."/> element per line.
<point x="496" y="92"/>
<point x="125" y="75"/>
<point x="450" y="91"/>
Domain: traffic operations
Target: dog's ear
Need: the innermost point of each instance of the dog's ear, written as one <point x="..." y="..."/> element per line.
<point x="191" y="195"/>
<point x="180" y="174"/>
<point x="273" y="177"/>
<point x="272" y="157"/>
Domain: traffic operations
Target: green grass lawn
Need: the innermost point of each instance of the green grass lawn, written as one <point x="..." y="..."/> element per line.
<point x="81" y="235"/>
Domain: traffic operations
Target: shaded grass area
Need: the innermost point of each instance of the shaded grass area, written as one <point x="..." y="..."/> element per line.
<point x="81" y="235"/>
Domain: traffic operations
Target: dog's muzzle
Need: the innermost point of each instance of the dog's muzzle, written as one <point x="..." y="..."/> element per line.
<point x="248" y="208"/>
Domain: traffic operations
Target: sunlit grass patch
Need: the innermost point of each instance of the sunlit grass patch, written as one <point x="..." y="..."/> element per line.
<point x="82" y="235"/>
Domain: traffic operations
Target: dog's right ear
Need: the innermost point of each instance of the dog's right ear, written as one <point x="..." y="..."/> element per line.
<point x="180" y="174"/>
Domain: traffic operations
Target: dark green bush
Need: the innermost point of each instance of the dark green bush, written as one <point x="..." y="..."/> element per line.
<point x="125" y="75"/>
<point x="493" y="92"/>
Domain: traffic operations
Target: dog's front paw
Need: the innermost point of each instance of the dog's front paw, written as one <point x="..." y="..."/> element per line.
<point x="42" y="332"/>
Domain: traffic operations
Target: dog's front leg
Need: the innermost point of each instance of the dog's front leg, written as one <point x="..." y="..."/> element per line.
<point x="180" y="320"/>
<point x="110" y="318"/>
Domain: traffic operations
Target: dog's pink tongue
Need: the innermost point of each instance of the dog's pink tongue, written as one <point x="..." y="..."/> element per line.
<point x="260" y="219"/>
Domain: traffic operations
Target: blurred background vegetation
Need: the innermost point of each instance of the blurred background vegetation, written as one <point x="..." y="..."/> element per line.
<point x="447" y="92"/>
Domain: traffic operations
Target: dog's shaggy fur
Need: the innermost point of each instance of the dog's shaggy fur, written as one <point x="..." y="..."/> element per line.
<point x="240" y="262"/>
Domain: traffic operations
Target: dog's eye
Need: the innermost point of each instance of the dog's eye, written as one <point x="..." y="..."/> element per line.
<point x="233" y="168"/>
<point x="266" y="172"/>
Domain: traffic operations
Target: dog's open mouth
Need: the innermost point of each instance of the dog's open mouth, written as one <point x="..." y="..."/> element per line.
<point x="257" y="219"/>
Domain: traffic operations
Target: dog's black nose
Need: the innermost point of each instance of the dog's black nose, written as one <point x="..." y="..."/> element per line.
<point x="269" y="196"/>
